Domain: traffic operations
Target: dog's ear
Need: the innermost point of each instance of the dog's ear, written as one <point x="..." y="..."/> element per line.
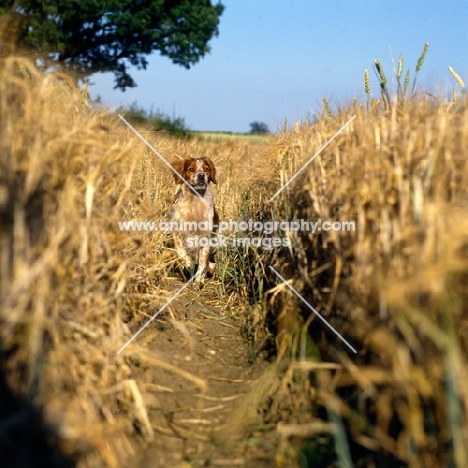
<point x="212" y="170"/>
<point x="179" y="166"/>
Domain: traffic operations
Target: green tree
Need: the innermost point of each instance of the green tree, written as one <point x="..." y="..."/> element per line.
<point x="259" y="128"/>
<point x="88" y="36"/>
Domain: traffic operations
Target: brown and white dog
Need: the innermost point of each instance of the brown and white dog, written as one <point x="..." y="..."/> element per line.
<point x="195" y="212"/>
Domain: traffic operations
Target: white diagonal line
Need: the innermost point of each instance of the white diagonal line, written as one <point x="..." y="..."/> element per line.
<point x="312" y="158"/>
<point x="163" y="159"/>
<point x="311" y="308"/>
<point x="156" y="314"/>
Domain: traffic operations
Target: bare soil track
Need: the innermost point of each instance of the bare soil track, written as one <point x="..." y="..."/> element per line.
<point x="201" y="411"/>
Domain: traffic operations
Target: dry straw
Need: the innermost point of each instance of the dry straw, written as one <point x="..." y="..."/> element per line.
<point x="73" y="286"/>
<point x="395" y="287"/>
<point x="63" y="267"/>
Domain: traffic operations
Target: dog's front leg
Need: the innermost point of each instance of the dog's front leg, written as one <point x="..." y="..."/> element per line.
<point x="203" y="258"/>
<point x="184" y="257"/>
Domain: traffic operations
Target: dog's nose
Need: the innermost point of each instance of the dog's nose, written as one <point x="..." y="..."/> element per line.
<point x="201" y="176"/>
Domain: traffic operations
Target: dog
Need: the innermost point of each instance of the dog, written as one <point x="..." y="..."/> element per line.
<point x="195" y="214"/>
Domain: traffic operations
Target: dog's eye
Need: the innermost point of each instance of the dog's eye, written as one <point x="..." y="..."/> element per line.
<point x="206" y="170"/>
<point x="191" y="169"/>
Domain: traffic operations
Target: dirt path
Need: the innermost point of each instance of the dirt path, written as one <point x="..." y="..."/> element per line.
<point x="203" y="408"/>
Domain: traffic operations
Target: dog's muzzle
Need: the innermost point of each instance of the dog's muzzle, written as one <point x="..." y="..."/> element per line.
<point x="201" y="182"/>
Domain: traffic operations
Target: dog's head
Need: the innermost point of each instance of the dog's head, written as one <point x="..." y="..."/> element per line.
<point x="197" y="172"/>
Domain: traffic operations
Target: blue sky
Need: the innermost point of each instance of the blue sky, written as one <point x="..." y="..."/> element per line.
<point x="276" y="59"/>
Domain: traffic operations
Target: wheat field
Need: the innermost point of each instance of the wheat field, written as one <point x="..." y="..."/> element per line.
<point x="73" y="286"/>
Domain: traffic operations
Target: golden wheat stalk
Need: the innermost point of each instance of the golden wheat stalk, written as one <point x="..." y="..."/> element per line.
<point x="383" y="78"/>
<point x="366" y="82"/>
<point x="420" y="62"/>
<point x="383" y="81"/>
<point x="400" y="66"/>
<point x="407" y="78"/>
<point x="457" y="77"/>
<point x="327" y="107"/>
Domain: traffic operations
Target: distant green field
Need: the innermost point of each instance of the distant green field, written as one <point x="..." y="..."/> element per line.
<point x="220" y="136"/>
